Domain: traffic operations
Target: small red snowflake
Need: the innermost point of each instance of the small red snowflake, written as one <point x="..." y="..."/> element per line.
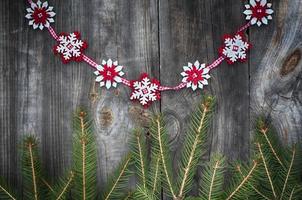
<point x="70" y="47"/>
<point x="145" y="90"/>
<point x="234" y="48"/>
<point x="40" y="15"/>
<point x="195" y="75"/>
<point x="259" y="12"/>
<point x="109" y="74"/>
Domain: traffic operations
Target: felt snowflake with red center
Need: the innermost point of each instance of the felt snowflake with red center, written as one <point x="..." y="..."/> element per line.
<point x="259" y="12"/>
<point x="40" y="15"/>
<point x="70" y="47"/>
<point x="195" y="75"/>
<point x="145" y="90"/>
<point x="109" y="74"/>
<point x="235" y="48"/>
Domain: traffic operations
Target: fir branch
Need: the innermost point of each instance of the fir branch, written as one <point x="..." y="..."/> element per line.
<point x="212" y="180"/>
<point x="289" y="171"/>
<point x="65" y="186"/>
<point x="31" y="168"/>
<point x="128" y="196"/>
<point x="194" y="144"/>
<point x="254" y="188"/>
<point x="243" y="181"/>
<point x="143" y="194"/>
<point x="47" y="185"/>
<point x="139" y="155"/>
<point x="119" y="181"/>
<point x="292" y="193"/>
<point x="84" y="157"/>
<point x="161" y="144"/>
<point x="30" y="146"/>
<point x="156" y="174"/>
<point x="264" y="131"/>
<point x="266" y="169"/>
<point x="5" y="192"/>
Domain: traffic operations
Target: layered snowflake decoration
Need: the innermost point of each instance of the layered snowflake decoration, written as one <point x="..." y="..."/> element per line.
<point x="40" y="15"/>
<point x="259" y="12"/>
<point x="145" y="90"/>
<point x="109" y="74"/>
<point x="70" y="47"/>
<point x="195" y="75"/>
<point x="234" y="48"/>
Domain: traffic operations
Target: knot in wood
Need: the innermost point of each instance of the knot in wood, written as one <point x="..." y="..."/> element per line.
<point x="291" y="62"/>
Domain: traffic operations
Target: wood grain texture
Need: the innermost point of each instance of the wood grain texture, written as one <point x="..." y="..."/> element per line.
<point x="38" y="94"/>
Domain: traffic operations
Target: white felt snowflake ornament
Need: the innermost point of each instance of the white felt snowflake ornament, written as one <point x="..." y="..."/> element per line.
<point x="234" y="48"/>
<point x="195" y="75"/>
<point x="109" y="74"/>
<point x="145" y="90"/>
<point x="258" y="12"/>
<point x="40" y="15"/>
<point x="70" y="47"/>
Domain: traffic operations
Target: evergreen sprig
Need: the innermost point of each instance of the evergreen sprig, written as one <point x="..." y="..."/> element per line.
<point x="31" y="169"/>
<point x="161" y="148"/>
<point x="61" y="190"/>
<point x="84" y="158"/>
<point x="194" y="145"/>
<point x="119" y="181"/>
<point x="213" y="178"/>
<point x="139" y="156"/>
<point x="6" y="193"/>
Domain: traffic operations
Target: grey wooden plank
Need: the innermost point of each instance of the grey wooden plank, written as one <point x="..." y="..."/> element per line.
<point x="191" y="30"/>
<point x="126" y="31"/>
<point x="276" y="70"/>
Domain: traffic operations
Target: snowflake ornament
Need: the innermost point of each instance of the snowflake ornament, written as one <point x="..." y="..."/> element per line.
<point x="109" y="74"/>
<point x="195" y="75"/>
<point x="259" y="12"/>
<point x="235" y="48"/>
<point x="145" y="90"/>
<point x="70" y="47"/>
<point x="40" y="15"/>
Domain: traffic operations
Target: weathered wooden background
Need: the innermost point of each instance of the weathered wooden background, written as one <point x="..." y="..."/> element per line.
<point x="38" y="93"/>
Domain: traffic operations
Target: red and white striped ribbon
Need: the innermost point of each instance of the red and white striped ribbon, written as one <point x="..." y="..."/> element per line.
<point x="126" y="82"/>
<point x="242" y="28"/>
<point x="216" y="63"/>
<point x="89" y="61"/>
<point x="178" y="87"/>
<point x="53" y="33"/>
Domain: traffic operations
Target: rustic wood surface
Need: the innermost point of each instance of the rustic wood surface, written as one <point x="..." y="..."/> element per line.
<point x="38" y="94"/>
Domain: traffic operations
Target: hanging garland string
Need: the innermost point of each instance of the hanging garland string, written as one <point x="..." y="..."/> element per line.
<point x="70" y="47"/>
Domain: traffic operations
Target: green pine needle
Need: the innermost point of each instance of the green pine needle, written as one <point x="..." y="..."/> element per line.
<point x="6" y="192"/>
<point x="240" y="186"/>
<point x="194" y="144"/>
<point x="161" y="149"/>
<point x="119" y="181"/>
<point x="84" y="158"/>
<point x="143" y="194"/>
<point x="61" y="190"/>
<point x="139" y="156"/>
<point x="213" y="178"/>
<point x="31" y="169"/>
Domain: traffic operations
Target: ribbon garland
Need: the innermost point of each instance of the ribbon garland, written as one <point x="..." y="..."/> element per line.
<point x="145" y="90"/>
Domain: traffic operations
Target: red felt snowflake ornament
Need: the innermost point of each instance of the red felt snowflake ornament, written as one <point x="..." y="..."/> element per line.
<point x="234" y="48"/>
<point x="70" y="47"/>
<point x="259" y="12"/>
<point x="145" y="90"/>
<point x="40" y="15"/>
